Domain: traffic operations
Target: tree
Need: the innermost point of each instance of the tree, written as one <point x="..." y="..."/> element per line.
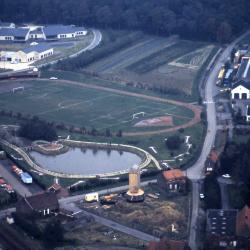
<point x="224" y="32"/>
<point x="173" y="142"/>
<point x="53" y="233"/>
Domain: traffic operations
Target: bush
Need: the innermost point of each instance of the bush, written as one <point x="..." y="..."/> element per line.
<point x="37" y="130"/>
<point x="173" y="142"/>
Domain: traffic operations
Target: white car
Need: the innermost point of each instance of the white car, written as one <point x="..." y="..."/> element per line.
<point x="226" y="176"/>
<point x="53" y="78"/>
<point x="202" y="196"/>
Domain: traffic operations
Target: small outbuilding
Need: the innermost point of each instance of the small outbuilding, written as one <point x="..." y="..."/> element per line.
<point x="172" y="180"/>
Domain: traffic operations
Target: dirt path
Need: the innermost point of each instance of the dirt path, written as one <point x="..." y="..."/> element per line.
<point x="196" y="109"/>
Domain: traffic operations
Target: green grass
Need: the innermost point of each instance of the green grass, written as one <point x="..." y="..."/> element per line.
<point x="79" y="106"/>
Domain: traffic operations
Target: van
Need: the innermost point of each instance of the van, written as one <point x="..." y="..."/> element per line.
<point x="91" y="197"/>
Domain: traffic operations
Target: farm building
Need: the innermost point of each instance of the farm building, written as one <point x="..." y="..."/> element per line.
<point x="34" y="53"/>
<point x="43" y="204"/>
<point x="55" y="32"/>
<point x="14" y="34"/>
<point x="241" y="90"/>
<point x="172" y="180"/>
<point x="50" y="33"/>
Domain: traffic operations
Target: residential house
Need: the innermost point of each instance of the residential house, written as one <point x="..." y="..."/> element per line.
<point x="221" y="228"/>
<point x="37" y="33"/>
<point x="243" y="222"/>
<point x="168" y="244"/>
<point x="43" y="204"/>
<point x="240" y="90"/>
<point x="56" y="32"/>
<point x="172" y="180"/>
<point x="34" y="53"/>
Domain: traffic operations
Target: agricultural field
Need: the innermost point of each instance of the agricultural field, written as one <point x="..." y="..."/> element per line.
<point x="82" y="106"/>
<point x="166" y="63"/>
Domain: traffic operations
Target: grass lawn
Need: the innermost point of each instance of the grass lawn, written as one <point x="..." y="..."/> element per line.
<point x="79" y="106"/>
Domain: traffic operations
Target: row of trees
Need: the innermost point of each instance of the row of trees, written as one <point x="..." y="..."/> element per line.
<point x="204" y="19"/>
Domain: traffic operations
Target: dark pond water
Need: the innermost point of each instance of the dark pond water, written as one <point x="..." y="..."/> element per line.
<point x="87" y="162"/>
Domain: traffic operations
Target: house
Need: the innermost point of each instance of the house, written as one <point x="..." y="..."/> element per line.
<point x="172" y="180"/>
<point x="34" y="53"/>
<point x="221" y="228"/>
<point x="168" y="244"/>
<point x="240" y="90"/>
<point x="56" y="32"/>
<point x="243" y="72"/>
<point x="14" y="34"/>
<point x="243" y="222"/>
<point x="43" y="204"/>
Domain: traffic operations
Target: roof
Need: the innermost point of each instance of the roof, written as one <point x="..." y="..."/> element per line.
<point x="16" y="32"/>
<point x="41" y="47"/>
<point x="173" y="174"/>
<point x="243" y="222"/>
<point x="42" y="201"/>
<point x="54" y="30"/>
<point x="221" y="222"/>
<point x="165" y="243"/>
<point x="37" y="31"/>
<point x="242" y="83"/>
<point x="244" y="70"/>
<point x="26" y="175"/>
<point x="213" y="156"/>
<point x="55" y="187"/>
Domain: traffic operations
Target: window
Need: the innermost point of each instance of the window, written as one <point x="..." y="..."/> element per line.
<point x="236" y="96"/>
<point x="244" y="96"/>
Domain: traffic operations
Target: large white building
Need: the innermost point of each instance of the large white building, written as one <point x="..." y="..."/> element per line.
<point x="27" y="55"/>
<point x="50" y="33"/>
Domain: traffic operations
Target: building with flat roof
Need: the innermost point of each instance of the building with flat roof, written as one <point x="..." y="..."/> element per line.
<point x="221" y="222"/>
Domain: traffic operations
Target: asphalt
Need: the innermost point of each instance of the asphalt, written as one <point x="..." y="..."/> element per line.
<point x="196" y="171"/>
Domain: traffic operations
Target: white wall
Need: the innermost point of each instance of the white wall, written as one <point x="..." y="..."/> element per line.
<point x="6" y="38"/>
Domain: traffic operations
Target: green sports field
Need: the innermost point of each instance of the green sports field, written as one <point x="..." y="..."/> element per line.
<point x="85" y="107"/>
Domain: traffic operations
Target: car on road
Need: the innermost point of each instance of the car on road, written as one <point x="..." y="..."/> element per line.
<point x="226" y="176"/>
<point x="53" y="78"/>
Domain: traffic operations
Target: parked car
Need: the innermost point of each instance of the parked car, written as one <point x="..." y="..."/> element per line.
<point x="53" y="78"/>
<point x="226" y="176"/>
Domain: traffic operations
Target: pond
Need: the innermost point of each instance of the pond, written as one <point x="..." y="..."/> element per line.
<point x="82" y="161"/>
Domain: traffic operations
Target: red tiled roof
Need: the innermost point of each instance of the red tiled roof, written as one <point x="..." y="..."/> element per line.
<point x="243" y="222"/>
<point x="167" y="244"/>
<point x="173" y="174"/>
<point x="213" y="156"/>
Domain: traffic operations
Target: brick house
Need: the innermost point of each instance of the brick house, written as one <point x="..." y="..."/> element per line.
<point x="172" y="180"/>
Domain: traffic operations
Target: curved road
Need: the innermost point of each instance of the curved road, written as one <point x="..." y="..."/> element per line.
<point x="196" y="171"/>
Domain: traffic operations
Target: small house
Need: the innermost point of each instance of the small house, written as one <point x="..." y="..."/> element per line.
<point x="241" y="90"/>
<point x="172" y="180"/>
<point x="42" y="204"/>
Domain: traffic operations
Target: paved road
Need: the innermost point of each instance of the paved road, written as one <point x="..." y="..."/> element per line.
<point x="11" y="179"/>
<point x="196" y="171"/>
<point x="80" y="197"/>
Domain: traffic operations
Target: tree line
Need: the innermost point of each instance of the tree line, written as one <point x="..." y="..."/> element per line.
<point x="214" y="20"/>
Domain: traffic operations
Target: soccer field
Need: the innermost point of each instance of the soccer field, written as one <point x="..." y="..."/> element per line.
<point x="86" y="107"/>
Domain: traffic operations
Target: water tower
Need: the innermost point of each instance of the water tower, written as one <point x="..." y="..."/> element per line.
<point x="134" y="193"/>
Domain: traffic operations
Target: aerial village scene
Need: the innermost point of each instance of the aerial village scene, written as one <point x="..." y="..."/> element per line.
<point x="124" y="125"/>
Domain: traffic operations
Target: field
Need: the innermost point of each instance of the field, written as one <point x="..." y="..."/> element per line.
<point x="151" y="216"/>
<point x="88" y="107"/>
<point x="94" y="236"/>
<point x="167" y="63"/>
